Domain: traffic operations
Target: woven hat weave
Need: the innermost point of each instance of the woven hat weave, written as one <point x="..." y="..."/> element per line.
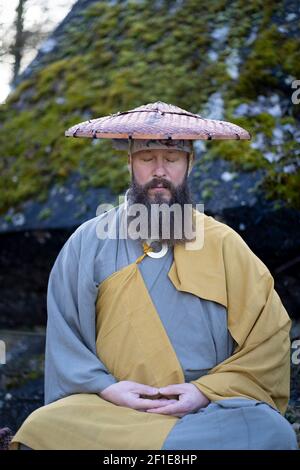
<point x="157" y="121"/>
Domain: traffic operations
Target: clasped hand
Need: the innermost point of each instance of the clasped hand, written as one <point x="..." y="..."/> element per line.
<point x="175" y="400"/>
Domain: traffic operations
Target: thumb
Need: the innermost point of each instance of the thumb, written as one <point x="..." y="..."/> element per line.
<point x="169" y="389"/>
<point x="147" y="390"/>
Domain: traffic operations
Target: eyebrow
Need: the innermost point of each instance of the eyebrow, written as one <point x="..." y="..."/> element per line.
<point x="168" y="151"/>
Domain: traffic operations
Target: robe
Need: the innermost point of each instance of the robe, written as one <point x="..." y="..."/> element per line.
<point x="208" y="316"/>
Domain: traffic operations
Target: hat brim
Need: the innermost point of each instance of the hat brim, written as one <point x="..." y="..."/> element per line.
<point x="157" y="121"/>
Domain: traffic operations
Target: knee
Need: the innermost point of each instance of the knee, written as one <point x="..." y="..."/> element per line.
<point x="278" y="433"/>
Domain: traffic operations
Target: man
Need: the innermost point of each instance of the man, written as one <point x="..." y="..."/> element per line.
<point x="163" y="349"/>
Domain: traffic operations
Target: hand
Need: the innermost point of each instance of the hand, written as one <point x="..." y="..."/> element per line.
<point x="134" y="395"/>
<point x="190" y="399"/>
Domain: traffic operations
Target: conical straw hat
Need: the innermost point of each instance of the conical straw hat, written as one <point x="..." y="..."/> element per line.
<point x="157" y="121"/>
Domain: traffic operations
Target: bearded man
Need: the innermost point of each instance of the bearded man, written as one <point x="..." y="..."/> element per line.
<point x="153" y="343"/>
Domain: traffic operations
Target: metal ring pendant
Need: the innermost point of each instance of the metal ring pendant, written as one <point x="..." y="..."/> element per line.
<point x="158" y="254"/>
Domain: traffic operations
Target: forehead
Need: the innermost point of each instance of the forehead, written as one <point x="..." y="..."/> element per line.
<point x="159" y="152"/>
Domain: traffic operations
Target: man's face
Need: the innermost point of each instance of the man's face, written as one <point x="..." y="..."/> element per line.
<point x="162" y="166"/>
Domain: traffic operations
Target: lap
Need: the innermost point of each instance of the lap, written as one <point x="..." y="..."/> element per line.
<point x="88" y="422"/>
<point x="236" y="423"/>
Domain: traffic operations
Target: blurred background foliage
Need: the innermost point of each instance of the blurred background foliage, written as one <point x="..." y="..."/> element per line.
<point x="231" y="60"/>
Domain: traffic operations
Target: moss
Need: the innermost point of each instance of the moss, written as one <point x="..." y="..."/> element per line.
<point x="15" y="96"/>
<point x="118" y="56"/>
<point x="242" y="155"/>
<point x="279" y="185"/>
<point x="30" y="370"/>
<point x="207" y="194"/>
<point x="45" y="213"/>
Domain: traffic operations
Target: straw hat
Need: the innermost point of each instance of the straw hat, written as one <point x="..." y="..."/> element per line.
<point x="157" y="121"/>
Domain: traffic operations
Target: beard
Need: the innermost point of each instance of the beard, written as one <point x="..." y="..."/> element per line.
<point x="178" y="226"/>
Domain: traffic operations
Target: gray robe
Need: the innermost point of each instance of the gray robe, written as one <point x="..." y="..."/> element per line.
<point x="197" y="329"/>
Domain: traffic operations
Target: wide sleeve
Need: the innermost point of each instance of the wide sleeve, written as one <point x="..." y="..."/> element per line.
<point x="71" y="363"/>
<point x="260" y="365"/>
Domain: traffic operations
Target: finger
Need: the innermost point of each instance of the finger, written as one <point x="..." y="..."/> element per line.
<point x="176" y="415"/>
<point x="168" y="409"/>
<point x="143" y="404"/>
<point x="146" y="389"/>
<point x="172" y="389"/>
<point x="161" y="404"/>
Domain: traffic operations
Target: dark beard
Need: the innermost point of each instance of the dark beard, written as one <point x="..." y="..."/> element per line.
<point x="180" y="195"/>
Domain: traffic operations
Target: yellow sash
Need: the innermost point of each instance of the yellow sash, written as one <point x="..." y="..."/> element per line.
<point x="131" y="340"/>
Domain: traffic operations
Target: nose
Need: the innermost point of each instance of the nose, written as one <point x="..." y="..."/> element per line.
<point x="159" y="170"/>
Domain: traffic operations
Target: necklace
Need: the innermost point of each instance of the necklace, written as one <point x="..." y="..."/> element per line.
<point x="157" y="254"/>
<point x="149" y="252"/>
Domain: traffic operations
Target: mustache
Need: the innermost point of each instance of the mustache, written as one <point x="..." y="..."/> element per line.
<point x="159" y="183"/>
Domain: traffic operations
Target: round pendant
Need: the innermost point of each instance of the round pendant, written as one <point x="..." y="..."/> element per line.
<point x="158" y="254"/>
